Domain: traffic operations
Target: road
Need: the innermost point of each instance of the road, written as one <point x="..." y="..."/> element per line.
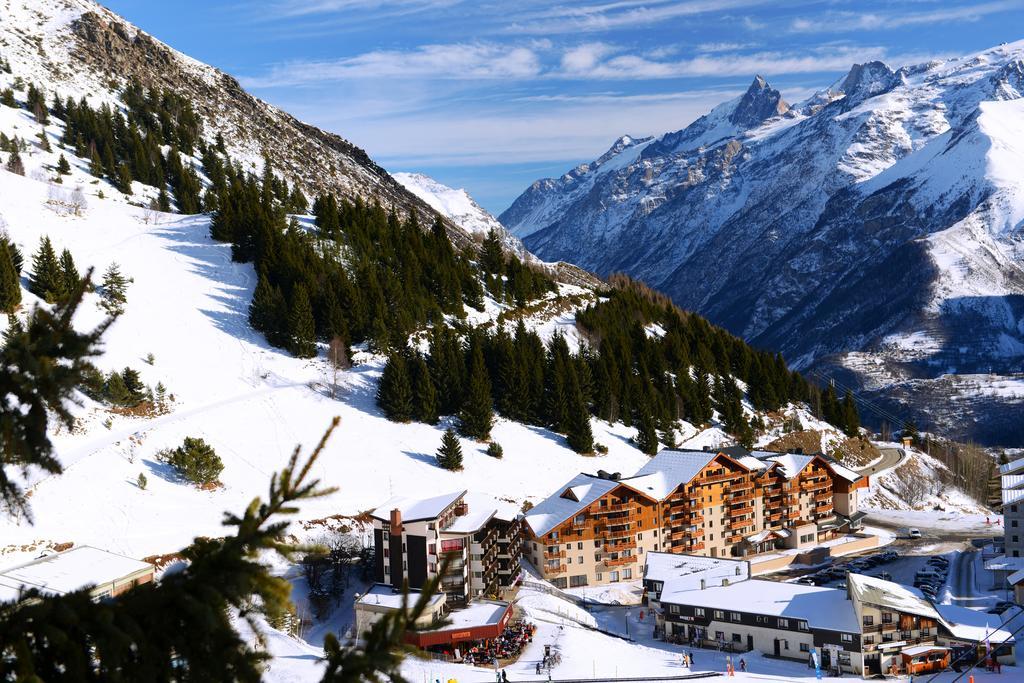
<point x="891" y="457"/>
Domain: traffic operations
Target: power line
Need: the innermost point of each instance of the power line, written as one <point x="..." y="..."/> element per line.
<point x="861" y="400"/>
<point x="971" y="668"/>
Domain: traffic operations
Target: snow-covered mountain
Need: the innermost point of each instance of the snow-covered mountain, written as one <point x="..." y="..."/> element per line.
<point x="874" y="230"/>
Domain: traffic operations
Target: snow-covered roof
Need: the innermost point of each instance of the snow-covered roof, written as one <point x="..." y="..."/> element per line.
<point x="896" y="596"/>
<point x="970" y="624"/>
<point x="1012" y="467"/>
<point x="416" y="509"/>
<point x="477" y="613"/>
<point x="922" y="649"/>
<point x="1016" y="577"/>
<point x="481" y="508"/>
<point x="844" y="472"/>
<point x="752" y="463"/>
<point x="666" y="566"/>
<point x="1002" y="563"/>
<point x="766" y="533"/>
<point x="573" y="496"/>
<point x="386" y="596"/>
<point x="824" y="608"/>
<point x="791" y="464"/>
<point x="68" y="571"/>
<point x="674" y="467"/>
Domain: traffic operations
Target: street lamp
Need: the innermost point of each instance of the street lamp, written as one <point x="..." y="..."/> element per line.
<point x="627" y="622"/>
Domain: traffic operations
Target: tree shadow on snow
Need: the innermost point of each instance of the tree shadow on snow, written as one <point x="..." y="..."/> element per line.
<point x="163" y="470"/>
<point x="429" y="459"/>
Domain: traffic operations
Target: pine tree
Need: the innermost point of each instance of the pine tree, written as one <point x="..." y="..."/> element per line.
<point x="13" y="251"/>
<point x="394" y="393"/>
<point x="579" y="435"/>
<point x="449" y="455"/>
<point x="425" y="405"/>
<point x="46" y="279"/>
<point x="69" y="276"/>
<point x="113" y="290"/>
<point x="301" y="326"/>
<point x="477" y="415"/>
<point x="63" y="167"/>
<point x="492" y="257"/>
<point x="10" y="283"/>
<point x="14" y="163"/>
<point x="850" y="418"/>
<point x="646" y="434"/>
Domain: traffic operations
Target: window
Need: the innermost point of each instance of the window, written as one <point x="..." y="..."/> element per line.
<point x="627" y="573"/>
<point x="432" y="549"/>
<point x="579" y="560"/>
<point x="1015" y="539"/>
<point x="478" y="575"/>
<point x="673" y="609"/>
<point x="737" y="570"/>
<point x="869" y="640"/>
<point x="847" y="638"/>
<point x="887" y="637"/>
<point x="737" y="638"/>
<point x="579" y="546"/>
<point x="886" y="617"/>
<point x="802" y="625"/>
<point x="735" y="616"/>
<point x="568" y="546"/>
<point x="597" y="542"/>
<point x="640" y="550"/>
<point x="1013" y="508"/>
<point x="869" y="620"/>
<point x="655" y="547"/>
<point x="599" y="576"/>
<point x="699" y="612"/>
<point x="720" y="635"/>
<point x="925" y="631"/>
<point x="719" y="614"/>
<point x="783" y="623"/>
<point x="762" y="620"/>
<point x="655" y="535"/>
<point x="640" y="537"/>
<point x="804" y="647"/>
<point x="1013" y="522"/>
<point x="568" y="560"/>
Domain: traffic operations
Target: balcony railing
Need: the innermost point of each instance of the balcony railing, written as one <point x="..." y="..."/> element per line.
<point x="557" y="555"/>
<point x="735" y="538"/>
<point x="742" y="510"/>
<point x="740" y="498"/>
<point x="741" y="523"/>
<point x="820" y="497"/>
<point x="815" y="485"/>
<point x="620" y="545"/>
<point x="614" y="507"/>
<point x="718" y="478"/>
<point x="615" y="562"/>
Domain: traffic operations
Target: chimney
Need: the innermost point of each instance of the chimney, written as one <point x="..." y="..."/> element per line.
<point x="615" y="476"/>
<point x="396" y="522"/>
<point x="601" y="474"/>
<point x="462" y="509"/>
<point x="707" y="449"/>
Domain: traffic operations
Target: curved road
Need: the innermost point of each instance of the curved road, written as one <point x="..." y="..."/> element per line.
<point x="891" y="457"/>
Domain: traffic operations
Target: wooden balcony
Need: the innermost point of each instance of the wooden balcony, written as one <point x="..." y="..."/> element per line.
<point x="608" y="509"/>
<point x="735" y="538"/>
<point x="719" y="478"/>
<point x="557" y="555"/>
<point x="825" y="496"/>
<point x="792" y="514"/>
<point x="741" y="523"/>
<point x="616" y="546"/>
<point x="743" y="485"/>
<point x="628" y="559"/>
<point x="694" y="547"/>
<point x="775" y="517"/>
<point x="743" y="510"/>
<point x="741" y="498"/>
<point x="560" y="569"/>
<point x="815" y="485"/>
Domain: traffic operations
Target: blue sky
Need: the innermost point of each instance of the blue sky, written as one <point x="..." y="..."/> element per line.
<point x="492" y="95"/>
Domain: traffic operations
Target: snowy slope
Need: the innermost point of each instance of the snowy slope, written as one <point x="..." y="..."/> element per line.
<point x="883" y="212"/>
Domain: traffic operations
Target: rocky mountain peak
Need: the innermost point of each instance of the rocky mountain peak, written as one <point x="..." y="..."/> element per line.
<point x="867" y="80"/>
<point x="759" y="103"/>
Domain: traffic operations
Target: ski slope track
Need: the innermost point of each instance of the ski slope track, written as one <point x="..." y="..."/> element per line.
<point x="874" y="231"/>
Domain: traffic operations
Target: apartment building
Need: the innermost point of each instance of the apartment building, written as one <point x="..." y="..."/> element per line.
<point x="596" y="528"/>
<point x="872" y="627"/>
<point x="107" y="574"/>
<point x="1011" y="476"/>
<point x="478" y="535"/>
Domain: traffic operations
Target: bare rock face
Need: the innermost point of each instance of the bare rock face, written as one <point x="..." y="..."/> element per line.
<point x="760" y="103"/>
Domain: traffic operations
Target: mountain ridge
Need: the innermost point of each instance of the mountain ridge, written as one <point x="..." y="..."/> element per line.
<point x="819" y="231"/>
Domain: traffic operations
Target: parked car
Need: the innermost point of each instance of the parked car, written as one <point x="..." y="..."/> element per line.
<point x="806" y="580"/>
<point x="913" y="532"/>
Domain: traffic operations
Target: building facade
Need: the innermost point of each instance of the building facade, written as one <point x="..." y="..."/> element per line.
<point x="108" y="574"/>
<point x="1011" y="476"/>
<point x="872" y="627"/>
<point x="597" y="528"/>
<point x="478" y="537"/>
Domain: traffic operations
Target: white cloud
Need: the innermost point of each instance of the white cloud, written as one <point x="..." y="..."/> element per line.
<point x="301" y="8"/>
<point x="563" y="19"/>
<point x="474" y="61"/>
<point x="842" y="22"/>
<point x="584" y="58"/>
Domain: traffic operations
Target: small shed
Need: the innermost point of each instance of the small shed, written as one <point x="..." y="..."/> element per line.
<point x="922" y="659"/>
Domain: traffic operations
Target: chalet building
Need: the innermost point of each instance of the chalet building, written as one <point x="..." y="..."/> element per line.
<point x="872" y="627"/>
<point x="597" y="528"/>
<point x="479" y="535"/>
<point x="108" y="574"/>
<point x="668" y="573"/>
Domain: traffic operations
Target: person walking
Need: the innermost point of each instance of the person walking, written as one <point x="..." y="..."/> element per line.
<point x="743" y="665"/>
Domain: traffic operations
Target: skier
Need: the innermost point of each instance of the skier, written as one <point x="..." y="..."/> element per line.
<point x="743" y="665"/>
